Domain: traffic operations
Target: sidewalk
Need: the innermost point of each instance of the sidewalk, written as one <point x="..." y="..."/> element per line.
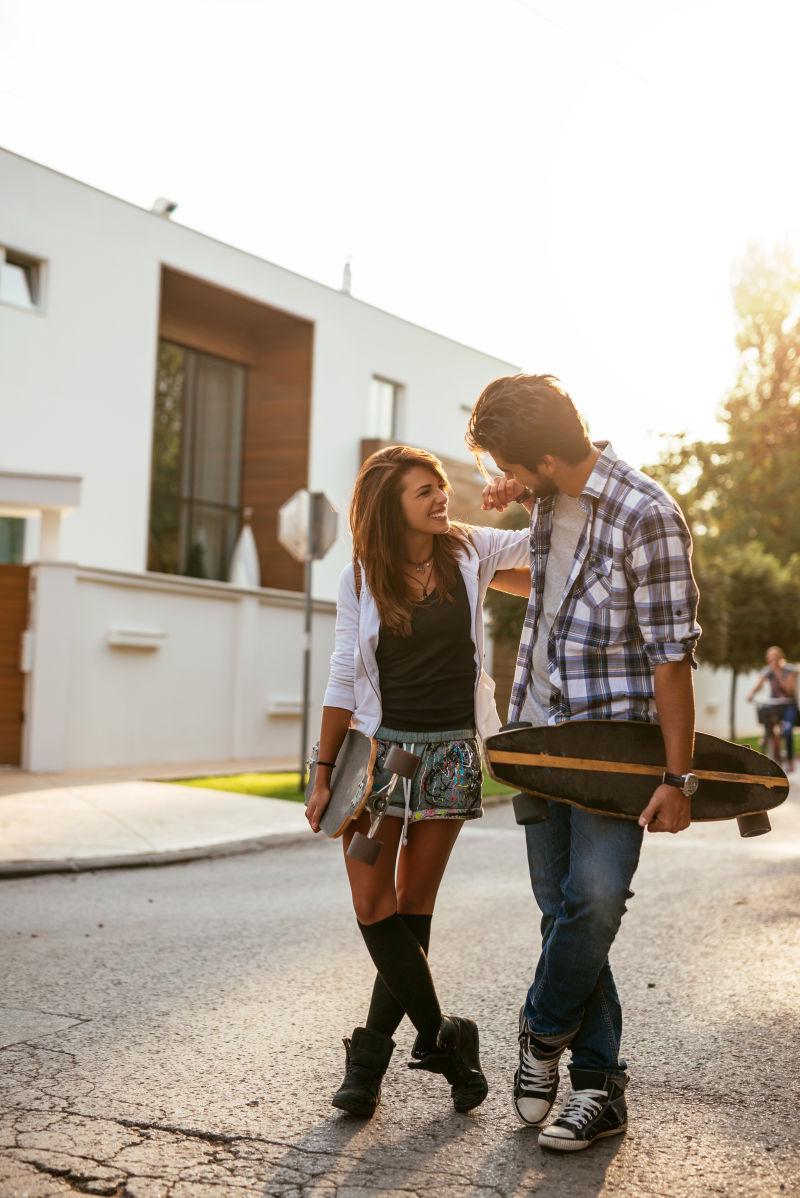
<point x="63" y="823"/>
<point x="110" y="819"/>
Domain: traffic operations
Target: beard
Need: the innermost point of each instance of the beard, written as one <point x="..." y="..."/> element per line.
<point x="543" y="487"/>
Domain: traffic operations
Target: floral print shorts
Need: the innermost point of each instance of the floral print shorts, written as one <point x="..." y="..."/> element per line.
<point x="447" y="784"/>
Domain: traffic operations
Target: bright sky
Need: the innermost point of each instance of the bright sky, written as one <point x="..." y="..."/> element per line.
<point x="563" y="183"/>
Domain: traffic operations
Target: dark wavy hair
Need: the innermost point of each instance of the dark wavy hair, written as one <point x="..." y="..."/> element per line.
<point x="522" y="417"/>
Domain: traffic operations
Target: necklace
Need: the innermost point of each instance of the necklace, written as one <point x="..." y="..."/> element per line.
<point x="420" y="567"/>
<point x="420" y="581"/>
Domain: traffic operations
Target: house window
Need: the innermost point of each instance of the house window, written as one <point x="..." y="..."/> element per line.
<point x="195" y="500"/>
<point x="384" y="409"/>
<point x="20" y="279"/>
<point x="12" y="540"/>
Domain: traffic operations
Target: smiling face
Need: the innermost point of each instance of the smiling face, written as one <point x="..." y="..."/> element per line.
<point x="539" y="484"/>
<point x="423" y="500"/>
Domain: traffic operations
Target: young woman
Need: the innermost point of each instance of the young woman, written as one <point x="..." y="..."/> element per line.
<point x="408" y="669"/>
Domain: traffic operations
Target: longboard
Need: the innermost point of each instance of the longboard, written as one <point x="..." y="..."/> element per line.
<point x="351" y="791"/>
<point x="612" y="767"/>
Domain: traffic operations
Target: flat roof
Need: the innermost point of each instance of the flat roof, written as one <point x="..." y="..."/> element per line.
<point x="255" y="257"/>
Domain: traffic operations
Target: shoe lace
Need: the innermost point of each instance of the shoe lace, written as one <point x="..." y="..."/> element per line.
<point x="581" y="1106"/>
<point x="535" y="1073"/>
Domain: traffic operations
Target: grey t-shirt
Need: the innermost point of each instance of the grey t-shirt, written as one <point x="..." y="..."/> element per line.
<point x="569" y="520"/>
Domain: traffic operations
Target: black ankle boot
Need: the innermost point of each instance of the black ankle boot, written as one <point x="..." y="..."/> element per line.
<point x="456" y="1058"/>
<point x="368" y="1056"/>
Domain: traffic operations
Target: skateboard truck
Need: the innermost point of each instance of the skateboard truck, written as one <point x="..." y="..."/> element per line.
<point x="529" y="808"/>
<point x="401" y="764"/>
<point x="756" y="823"/>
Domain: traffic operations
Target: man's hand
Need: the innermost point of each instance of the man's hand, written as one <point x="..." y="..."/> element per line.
<point x="669" y="810"/>
<point x="500" y="492"/>
<point x="320" y="797"/>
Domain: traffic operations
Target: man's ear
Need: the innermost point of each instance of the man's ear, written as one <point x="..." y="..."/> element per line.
<point x="547" y="465"/>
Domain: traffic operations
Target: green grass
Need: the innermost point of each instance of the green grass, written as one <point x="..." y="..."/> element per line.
<point x="754" y="742"/>
<point x="271" y="786"/>
<point x="286" y="786"/>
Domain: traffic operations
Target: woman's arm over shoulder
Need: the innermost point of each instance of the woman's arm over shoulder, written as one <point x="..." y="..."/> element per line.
<point x="513" y="582"/>
<point x="500" y="548"/>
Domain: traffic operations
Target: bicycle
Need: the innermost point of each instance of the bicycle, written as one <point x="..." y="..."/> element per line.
<point x="771" y="716"/>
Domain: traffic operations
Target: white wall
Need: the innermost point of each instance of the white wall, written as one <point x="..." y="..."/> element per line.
<point x="712" y="701"/>
<point x="223" y="657"/>
<point x="77" y="382"/>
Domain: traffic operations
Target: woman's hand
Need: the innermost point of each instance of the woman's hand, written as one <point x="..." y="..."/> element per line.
<point x="500" y="492"/>
<point x="315" y="808"/>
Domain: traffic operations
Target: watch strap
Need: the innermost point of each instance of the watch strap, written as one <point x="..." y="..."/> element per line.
<point x="677" y="780"/>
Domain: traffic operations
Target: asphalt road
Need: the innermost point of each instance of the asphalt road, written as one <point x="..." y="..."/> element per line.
<point x="175" y="1032"/>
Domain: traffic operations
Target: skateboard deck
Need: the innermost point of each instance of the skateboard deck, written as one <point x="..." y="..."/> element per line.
<point x="351" y="782"/>
<point x="612" y="767"/>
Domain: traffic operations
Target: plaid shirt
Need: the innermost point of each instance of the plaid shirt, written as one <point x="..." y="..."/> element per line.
<point x="629" y="604"/>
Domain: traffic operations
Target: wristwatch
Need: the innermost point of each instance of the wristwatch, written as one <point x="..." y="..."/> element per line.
<point x="686" y="783"/>
<point x="524" y="497"/>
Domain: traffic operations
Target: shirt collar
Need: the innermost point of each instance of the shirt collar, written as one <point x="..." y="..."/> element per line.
<point x="603" y="467"/>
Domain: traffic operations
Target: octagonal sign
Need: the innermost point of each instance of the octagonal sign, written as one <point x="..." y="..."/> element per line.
<point x="307" y="525"/>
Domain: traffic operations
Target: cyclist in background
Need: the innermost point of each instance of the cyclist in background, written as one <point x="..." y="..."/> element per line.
<point x="782" y="680"/>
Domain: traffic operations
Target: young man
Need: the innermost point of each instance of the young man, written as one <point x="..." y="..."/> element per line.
<point x="609" y="633"/>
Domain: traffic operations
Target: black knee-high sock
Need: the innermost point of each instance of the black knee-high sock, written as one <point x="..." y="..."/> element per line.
<point x="399" y="959"/>
<point x="385" y="1012"/>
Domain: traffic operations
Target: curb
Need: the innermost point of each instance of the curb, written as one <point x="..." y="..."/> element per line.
<point x="207" y="852"/>
<point x="81" y="865"/>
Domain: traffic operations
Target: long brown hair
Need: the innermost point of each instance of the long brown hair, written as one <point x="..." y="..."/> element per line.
<point x="377" y="525"/>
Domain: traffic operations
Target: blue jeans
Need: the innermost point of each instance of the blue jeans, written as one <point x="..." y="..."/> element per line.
<point x="581" y="866"/>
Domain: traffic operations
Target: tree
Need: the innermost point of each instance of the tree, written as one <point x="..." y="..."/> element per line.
<point x="507" y="612"/>
<point x="756" y="602"/>
<point x="746" y="486"/>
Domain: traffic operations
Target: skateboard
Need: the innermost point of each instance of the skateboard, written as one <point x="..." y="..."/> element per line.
<point x="351" y="791"/>
<point x="611" y="767"/>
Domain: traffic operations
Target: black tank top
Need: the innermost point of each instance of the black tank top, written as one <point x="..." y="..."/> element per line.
<point x="428" y="679"/>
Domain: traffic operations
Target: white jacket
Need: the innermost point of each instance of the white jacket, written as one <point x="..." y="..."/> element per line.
<point x="353" y="683"/>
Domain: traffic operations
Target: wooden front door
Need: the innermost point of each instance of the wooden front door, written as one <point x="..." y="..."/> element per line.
<point x="13" y="622"/>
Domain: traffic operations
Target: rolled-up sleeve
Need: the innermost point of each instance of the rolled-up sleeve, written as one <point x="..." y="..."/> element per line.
<point x="340" y="691"/>
<point x="665" y="595"/>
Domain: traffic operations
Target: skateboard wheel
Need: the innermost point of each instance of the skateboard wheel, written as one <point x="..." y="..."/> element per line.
<point x="398" y="761"/>
<point x="529" y="809"/>
<point x="361" y="848"/>
<point x="754" y="824"/>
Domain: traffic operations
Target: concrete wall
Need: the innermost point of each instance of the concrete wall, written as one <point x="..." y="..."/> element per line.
<point x="78" y="377"/>
<point x="128" y="669"/>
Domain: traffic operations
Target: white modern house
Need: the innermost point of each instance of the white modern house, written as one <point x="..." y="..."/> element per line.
<point x="154" y="385"/>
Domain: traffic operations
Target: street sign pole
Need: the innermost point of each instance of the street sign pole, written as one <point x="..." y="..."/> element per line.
<point x="307" y="525"/>
<point x="306" y="675"/>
